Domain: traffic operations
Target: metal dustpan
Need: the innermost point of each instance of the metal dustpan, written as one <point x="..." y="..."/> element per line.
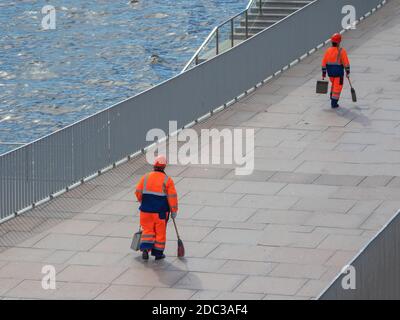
<point x="322" y="87"/>
<point x="135" y="245"/>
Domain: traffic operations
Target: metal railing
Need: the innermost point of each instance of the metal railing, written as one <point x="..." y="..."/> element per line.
<point x="376" y="269"/>
<point x="45" y="167"/>
<point x="219" y="40"/>
<point x="237" y="29"/>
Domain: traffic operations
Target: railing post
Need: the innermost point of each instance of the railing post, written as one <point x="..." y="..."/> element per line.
<point x="196" y="62"/>
<point x="247" y="24"/>
<point x="217" y="40"/>
<point x="261" y="10"/>
<point x="232" y="32"/>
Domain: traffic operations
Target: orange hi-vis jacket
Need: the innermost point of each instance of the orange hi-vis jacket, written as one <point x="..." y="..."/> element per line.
<point x="157" y="194"/>
<point x="335" y="61"/>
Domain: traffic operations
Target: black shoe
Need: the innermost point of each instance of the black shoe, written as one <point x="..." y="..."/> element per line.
<point x="145" y="255"/>
<point x="335" y="107"/>
<point x="160" y="257"/>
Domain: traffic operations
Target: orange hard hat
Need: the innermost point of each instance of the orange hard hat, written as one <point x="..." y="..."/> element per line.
<point x="336" y="38"/>
<point x="160" y="161"/>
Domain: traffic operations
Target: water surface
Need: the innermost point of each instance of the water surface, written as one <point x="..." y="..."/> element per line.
<point x="99" y="54"/>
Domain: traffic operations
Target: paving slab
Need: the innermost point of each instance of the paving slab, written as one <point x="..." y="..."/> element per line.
<point x="280" y="216"/>
<point x="298" y="271"/>
<point x="239" y="236"/>
<point x="25" y="270"/>
<point x="68" y="242"/>
<point x="7" y="285"/>
<point x="113" y="245"/>
<point x="241" y="252"/>
<point x="299" y="255"/>
<point x="90" y="274"/>
<point x="96" y="259"/>
<point x="255" y="187"/>
<point x="395" y="183"/>
<point x="335" y="220"/>
<point x="313" y="287"/>
<point x="121" y="292"/>
<point x="199" y="184"/>
<point x="291" y="239"/>
<point x="271" y="285"/>
<point x="323" y="204"/>
<point x="192" y="249"/>
<point x="256" y="175"/>
<point x="377" y="181"/>
<point x="74" y="227"/>
<point x="239" y="296"/>
<point x="247" y="267"/>
<point x="307" y="191"/>
<point x="284" y="298"/>
<point x="205" y="295"/>
<point x="209" y="198"/>
<point x="338" y="180"/>
<point x="267" y="202"/>
<point x="149" y="277"/>
<point x="224" y="213"/>
<point x="343" y="242"/>
<point x="241" y="225"/>
<point x="196" y="264"/>
<point x="25" y="254"/>
<point x="340" y="258"/>
<point x="28" y="289"/>
<point x="79" y="291"/>
<point x="324" y="182"/>
<point x="209" y="281"/>
<point x="115" y="229"/>
<point x="59" y="257"/>
<point x="169" y="294"/>
<point x="291" y="177"/>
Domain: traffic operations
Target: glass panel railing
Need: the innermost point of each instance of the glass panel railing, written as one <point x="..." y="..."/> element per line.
<point x="228" y="34"/>
<point x="239" y="28"/>
<point x="225" y="37"/>
<point x="209" y="49"/>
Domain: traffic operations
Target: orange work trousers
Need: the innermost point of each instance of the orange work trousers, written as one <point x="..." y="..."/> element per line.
<point x="154" y="232"/>
<point x="337" y="87"/>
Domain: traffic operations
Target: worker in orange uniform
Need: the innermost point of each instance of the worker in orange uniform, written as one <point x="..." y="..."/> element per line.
<point x="335" y="63"/>
<point x="158" y="199"/>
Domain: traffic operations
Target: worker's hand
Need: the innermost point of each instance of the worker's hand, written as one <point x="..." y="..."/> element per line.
<point x="173" y="215"/>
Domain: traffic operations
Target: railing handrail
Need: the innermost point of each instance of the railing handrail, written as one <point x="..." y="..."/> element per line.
<point x="214" y="32"/>
<point x="200" y="48"/>
<point x="250" y="3"/>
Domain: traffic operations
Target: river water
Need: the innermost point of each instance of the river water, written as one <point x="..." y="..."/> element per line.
<point x="98" y="54"/>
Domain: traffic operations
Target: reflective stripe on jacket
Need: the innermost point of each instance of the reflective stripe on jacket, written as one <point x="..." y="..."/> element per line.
<point x="335" y="61"/>
<point x="157" y="194"/>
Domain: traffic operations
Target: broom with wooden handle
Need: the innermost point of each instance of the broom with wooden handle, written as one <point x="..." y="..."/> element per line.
<point x="181" y="248"/>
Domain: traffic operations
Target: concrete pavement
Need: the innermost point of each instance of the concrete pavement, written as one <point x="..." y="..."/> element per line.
<point x="325" y="182"/>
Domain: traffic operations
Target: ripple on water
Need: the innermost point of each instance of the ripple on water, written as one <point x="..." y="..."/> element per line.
<point x="100" y="53"/>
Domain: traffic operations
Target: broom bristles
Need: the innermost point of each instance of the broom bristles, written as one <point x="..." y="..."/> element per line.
<point x="181" y="249"/>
